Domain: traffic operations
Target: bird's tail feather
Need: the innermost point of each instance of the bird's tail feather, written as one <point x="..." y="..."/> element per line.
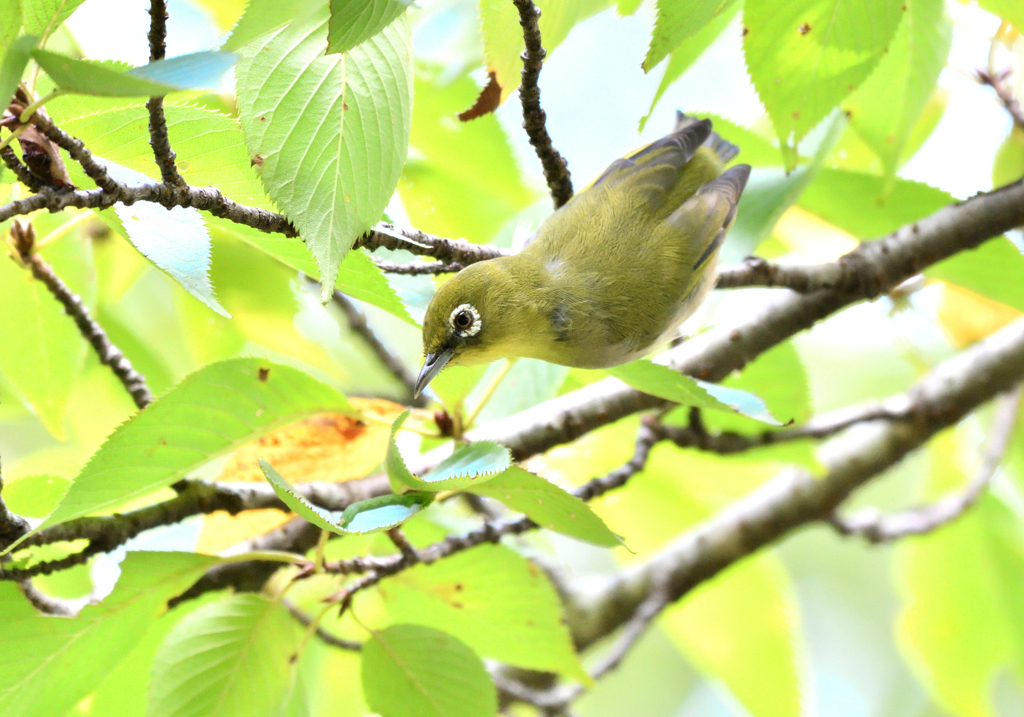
<point x="726" y="151"/>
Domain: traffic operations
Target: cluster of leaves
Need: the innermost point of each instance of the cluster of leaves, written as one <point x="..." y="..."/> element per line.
<point x="319" y="128"/>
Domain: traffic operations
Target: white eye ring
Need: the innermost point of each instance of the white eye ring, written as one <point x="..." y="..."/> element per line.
<point x="473" y="328"/>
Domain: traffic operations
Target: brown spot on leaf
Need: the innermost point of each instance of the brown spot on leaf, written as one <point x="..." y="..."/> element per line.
<point x="457" y="605"/>
<point x="796" y="115"/>
<point x="344" y="106"/>
<point x="458" y="587"/>
<point x="257" y="160"/>
<point x="805" y="28"/>
<point x="486" y="102"/>
<point x="263" y="118"/>
<point x="263" y="373"/>
<point x="746" y="31"/>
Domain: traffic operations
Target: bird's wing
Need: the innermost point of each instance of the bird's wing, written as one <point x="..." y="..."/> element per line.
<point x="704" y="218"/>
<point x="653" y="170"/>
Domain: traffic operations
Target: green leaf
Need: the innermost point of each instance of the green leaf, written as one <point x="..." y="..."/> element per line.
<point x="661" y="381"/>
<point x="10" y="23"/>
<point x="329" y="133"/>
<point x="383" y="512"/>
<point x="503" y="36"/>
<point x="13" y="67"/>
<point x="992" y="270"/>
<point x="40" y="651"/>
<point x="319" y="517"/>
<point x="355" y="21"/>
<point x="413" y="671"/>
<point x="262" y="17"/>
<point x="1009" y="10"/>
<point x="174" y="239"/>
<point x="210" y="146"/>
<point x="445" y="187"/>
<point x="962" y="605"/>
<point x="210" y="413"/>
<point x="455" y="383"/>
<point x="470" y="464"/>
<point x="742" y="628"/>
<point x="43" y="363"/>
<point x="678" y="20"/>
<point x="201" y="70"/>
<point x="360" y="278"/>
<point x="805" y="56"/>
<point x="527" y="383"/>
<point x="42" y="17"/>
<point x="196" y="71"/>
<point x="548" y="506"/>
<point x="229" y="658"/>
<point x="870" y="208"/>
<point x="686" y="52"/>
<point x="495" y="601"/>
<point x="769" y="193"/>
<point x="34" y="496"/>
<point x="1008" y="165"/>
<point x="886" y="108"/>
<point x="366" y="516"/>
<point x="738" y="628"/>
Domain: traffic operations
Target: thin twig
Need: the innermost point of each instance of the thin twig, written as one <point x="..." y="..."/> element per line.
<point x="206" y="198"/>
<point x="158" y="139"/>
<point x="328" y="639"/>
<point x="405" y="548"/>
<point x="78" y="152"/>
<point x="873" y="527"/>
<point x="729" y="442"/>
<point x="12" y="525"/>
<point x="414" y="241"/>
<point x="418" y="268"/>
<point x="92" y="332"/>
<point x="44" y="603"/>
<point x="395" y="366"/>
<point x="796" y="497"/>
<point x="556" y="170"/>
<point x="20" y="170"/>
<point x="1005" y="94"/>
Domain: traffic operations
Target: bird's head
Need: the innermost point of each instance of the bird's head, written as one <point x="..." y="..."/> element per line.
<point x="469" y="320"/>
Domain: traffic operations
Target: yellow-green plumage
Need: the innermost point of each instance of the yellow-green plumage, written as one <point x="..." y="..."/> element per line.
<point x="607" y="276"/>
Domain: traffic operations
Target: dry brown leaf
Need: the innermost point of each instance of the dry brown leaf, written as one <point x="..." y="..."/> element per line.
<point x="487" y="101"/>
<point x="326" y="447"/>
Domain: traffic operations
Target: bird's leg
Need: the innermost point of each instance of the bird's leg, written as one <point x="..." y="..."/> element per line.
<point x="491" y="388"/>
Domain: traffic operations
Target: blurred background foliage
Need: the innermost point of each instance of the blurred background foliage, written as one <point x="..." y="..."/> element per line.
<point x="821" y="624"/>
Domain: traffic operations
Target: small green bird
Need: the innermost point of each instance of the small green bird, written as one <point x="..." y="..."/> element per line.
<point x="609" y="275"/>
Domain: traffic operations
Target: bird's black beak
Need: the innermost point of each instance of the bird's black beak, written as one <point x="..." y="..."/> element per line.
<point x="431" y="367"/>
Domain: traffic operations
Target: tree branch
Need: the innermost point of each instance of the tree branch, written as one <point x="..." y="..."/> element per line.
<point x="328" y="639"/>
<point x="452" y="251"/>
<point x="357" y="322"/>
<point x="877" y="528"/>
<point x="796" y="498"/>
<point x="158" y="139"/>
<point x="556" y="171"/>
<point x="12" y="525"/>
<point x="1005" y="94"/>
<point x="109" y="355"/>
<point x="867" y="271"/>
<point x="418" y="268"/>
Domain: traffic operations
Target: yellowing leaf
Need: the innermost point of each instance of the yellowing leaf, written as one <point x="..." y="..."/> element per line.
<point x="967" y="317"/>
<point x="328" y="447"/>
<point x="812" y="236"/>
